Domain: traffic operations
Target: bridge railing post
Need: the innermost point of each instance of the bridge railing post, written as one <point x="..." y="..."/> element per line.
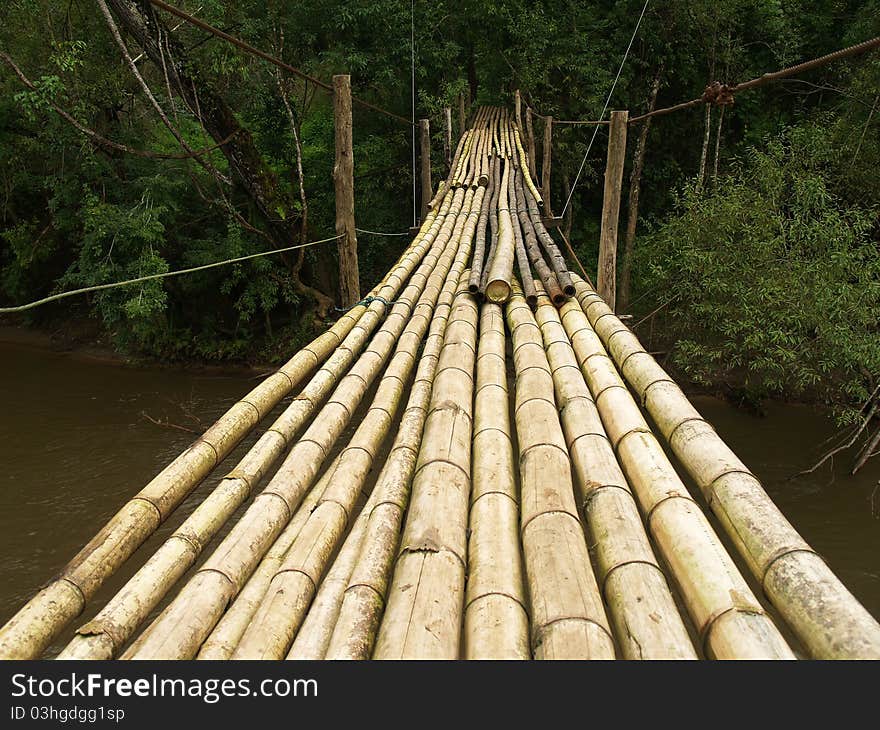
<point x="546" y="163"/>
<point x="606" y="276"/>
<point x="447" y="137"/>
<point x="343" y="181"/>
<point x="425" y="155"/>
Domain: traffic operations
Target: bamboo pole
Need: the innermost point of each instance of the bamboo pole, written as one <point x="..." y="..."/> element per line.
<point x="730" y="621"/>
<point x="313" y="639"/>
<point x="480" y="240"/>
<point x="501" y="271"/>
<point x="343" y="181"/>
<point x="824" y="615"/>
<point x="568" y="619"/>
<point x="496" y="622"/>
<point x="117" y="621"/>
<point x="223" y="640"/>
<point x="606" y="275"/>
<point x="425" y="159"/>
<point x="196" y="609"/>
<point x="517" y="105"/>
<point x="642" y="610"/>
<point x="364" y="598"/>
<point x="533" y="251"/>
<point x="525" y="167"/>
<point x="557" y="260"/>
<point x="425" y="601"/>
<point x="292" y="589"/>
<point x="31" y="630"/>
<point x="493" y="225"/>
<point x="522" y="258"/>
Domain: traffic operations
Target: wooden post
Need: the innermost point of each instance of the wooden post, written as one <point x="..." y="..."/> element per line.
<point x="462" y="116"/>
<point x="425" y="155"/>
<point x="343" y="181"/>
<point x="606" y="276"/>
<point x="517" y="106"/>
<point x="447" y="137"/>
<point x="545" y="162"/>
<point x="530" y="144"/>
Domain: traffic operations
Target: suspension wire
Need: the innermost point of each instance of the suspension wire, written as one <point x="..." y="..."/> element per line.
<point x="412" y="55"/>
<point x="268" y="57"/>
<point x="164" y="275"/>
<point x="605" y="108"/>
<point x="711" y="93"/>
<point x="378" y="233"/>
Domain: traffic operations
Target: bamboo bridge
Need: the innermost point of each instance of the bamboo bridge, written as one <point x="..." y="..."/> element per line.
<point x="479" y="460"/>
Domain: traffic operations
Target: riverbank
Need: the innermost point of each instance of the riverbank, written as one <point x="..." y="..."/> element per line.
<point x="89" y="345"/>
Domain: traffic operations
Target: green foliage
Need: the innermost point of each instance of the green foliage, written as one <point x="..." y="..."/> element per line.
<point x="774" y="272"/>
<point x="774" y="280"/>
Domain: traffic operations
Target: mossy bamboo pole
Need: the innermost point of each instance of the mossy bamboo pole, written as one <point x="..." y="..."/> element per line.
<point x="364" y="598"/>
<point x="102" y="637"/>
<point x="426" y="599"/>
<point x="641" y="607"/>
<point x="532" y="249"/>
<point x="730" y="621"/>
<point x="31" y="630"/>
<point x="522" y="258"/>
<point x="496" y="622"/>
<point x="568" y="618"/>
<point x="479" y="257"/>
<point x="557" y="260"/>
<point x="196" y="609"/>
<point x="501" y="269"/>
<point x="293" y="587"/>
<point x="223" y="640"/>
<point x="317" y="627"/>
<point x="823" y="614"/>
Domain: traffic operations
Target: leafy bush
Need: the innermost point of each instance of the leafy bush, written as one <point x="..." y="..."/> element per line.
<point x="774" y="280"/>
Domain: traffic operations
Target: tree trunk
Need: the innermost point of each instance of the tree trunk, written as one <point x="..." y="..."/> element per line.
<point x="705" y="153"/>
<point x="140" y="20"/>
<point x="343" y="179"/>
<point x="717" y="146"/>
<point x="635" y="189"/>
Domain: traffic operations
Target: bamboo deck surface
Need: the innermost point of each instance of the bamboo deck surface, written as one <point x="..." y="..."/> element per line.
<point x="478" y="461"/>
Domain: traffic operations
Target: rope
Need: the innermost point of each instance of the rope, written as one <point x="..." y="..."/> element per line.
<point x="267" y="57"/>
<point x="412" y="55"/>
<point x="366" y="301"/>
<point x="377" y="233"/>
<point x="718" y="93"/>
<point x="605" y="108"/>
<point x="165" y="275"/>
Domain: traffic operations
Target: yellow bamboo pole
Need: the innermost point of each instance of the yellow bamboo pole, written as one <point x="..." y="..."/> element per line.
<point x="501" y="267"/>
<point x="364" y="598"/>
<point x="293" y="587"/>
<point x="196" y="609"/>
<point x="31" y="630"/>
<point x="223" y="640"/>
<point x="526" y="167"/>
<point x="824" y="615"/>
<point x="104" y="635"/>
<point x="642" y="610"/>
<point x="425" y="601"/>
<point x="730" y="621"/>
<point x="496" y="622"/>
<point x="568" y="618"/>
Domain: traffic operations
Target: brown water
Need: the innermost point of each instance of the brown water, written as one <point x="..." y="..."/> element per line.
<point x="76" y="445"/>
